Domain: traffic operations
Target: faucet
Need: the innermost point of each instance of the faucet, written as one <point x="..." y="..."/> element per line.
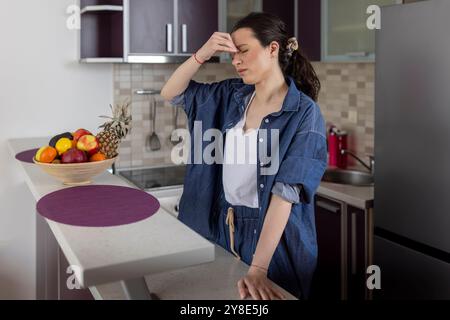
<point x="370" y="166"/>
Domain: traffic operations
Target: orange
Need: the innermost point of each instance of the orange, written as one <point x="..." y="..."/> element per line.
<point x="97" y="157"/>
<point x="48" y="154"/>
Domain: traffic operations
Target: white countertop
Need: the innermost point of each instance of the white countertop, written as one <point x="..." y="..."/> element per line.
<point x="108" y="254"/>
<point x="161" y="248"/>
<point x="212" y="281"/>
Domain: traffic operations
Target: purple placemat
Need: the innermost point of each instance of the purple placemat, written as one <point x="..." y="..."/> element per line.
<point x="97" y="206"/>
<point x="27" y="155"/>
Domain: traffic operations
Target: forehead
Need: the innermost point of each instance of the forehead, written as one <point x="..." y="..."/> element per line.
<point x="243" y="36"/>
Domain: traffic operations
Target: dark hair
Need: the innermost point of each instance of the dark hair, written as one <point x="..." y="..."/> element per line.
<point x="267" y="28"/>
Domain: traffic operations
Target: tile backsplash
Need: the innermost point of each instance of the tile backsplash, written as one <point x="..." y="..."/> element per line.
<point x="346" y="100"/>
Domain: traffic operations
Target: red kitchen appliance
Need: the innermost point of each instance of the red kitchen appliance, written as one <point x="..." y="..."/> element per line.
<point x="337" y="141"/>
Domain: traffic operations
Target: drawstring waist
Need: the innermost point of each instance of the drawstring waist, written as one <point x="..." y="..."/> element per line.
<point x="236" y="215"/>
<point x="230" y="222"/>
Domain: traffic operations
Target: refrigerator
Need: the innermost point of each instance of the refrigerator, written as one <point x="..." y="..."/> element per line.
<point x="412" y="151"/>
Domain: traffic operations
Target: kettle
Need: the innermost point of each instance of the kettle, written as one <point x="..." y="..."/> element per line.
<point x="337" y="141"/>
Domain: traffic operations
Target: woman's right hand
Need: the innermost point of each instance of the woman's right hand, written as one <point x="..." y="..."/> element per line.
<point x="218" y="42"/>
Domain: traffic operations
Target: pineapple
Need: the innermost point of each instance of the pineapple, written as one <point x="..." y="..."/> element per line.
<point x="114" y="130"/>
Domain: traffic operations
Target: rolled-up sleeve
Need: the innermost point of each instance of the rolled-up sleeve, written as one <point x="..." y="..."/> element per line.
<point x="287" y="192"/>
<point x="196" y="95"/>
<point x="305" y="160"/>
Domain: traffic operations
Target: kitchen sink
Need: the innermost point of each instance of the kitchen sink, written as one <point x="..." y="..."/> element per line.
<point x="351" y="177"/>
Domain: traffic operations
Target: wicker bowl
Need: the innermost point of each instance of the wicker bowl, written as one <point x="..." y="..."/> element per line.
<point x="75" y="174"/>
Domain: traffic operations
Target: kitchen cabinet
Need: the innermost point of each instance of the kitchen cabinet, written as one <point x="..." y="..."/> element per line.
<point x="302" y="18"/>
<point x="345" y="36"/>
<point x="309" y="28"/>
<point x="145" y="31"/>
<point x="169" y="31"/>
<point x="357" y="242"/>
<point x="197" y="21"/>
<point x="151" y="26"/>
<point x="344" y="250"/>
<point x="328" y="281"/>
<point x="234" y="10"/>
<point x="101" y="31"/>
<point x="286" y="12"/>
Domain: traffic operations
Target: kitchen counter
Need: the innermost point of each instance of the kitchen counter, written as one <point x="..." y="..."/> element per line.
<point x="357" y="196"/>
<point x="124" y="254"/>
<point x="212" y="281"/>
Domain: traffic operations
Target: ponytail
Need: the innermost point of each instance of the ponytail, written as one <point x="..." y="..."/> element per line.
<point x="300" y="69"/>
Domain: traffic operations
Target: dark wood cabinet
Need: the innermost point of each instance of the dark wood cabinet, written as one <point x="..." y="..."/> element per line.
<point x="357" y="250"/>
<point x="151" y="26"/>
<point x="171" y="28"/>
<point x="102" y="32"/>
<point x="330" y="229"/>
<point x="344" y="250"/>
<point x="152" y="31"/>
<point x="197" y="21"/>
<point x="285" y="11"/>
<point x="308" y="16"/>
<point x="309" y="28"/>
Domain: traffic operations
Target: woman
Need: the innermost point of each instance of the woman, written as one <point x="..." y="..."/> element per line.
<point x="265" y="219"/>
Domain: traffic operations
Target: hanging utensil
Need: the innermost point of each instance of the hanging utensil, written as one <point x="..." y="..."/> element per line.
<point x="148" y="138"/>
<point x="175" y="126"/>
<point x="155" y="144"/>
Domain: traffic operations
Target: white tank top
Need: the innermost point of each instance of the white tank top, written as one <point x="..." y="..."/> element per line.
<point x="239" y="174"/>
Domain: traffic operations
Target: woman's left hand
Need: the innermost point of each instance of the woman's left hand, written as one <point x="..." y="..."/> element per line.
<point x="257" y="285"/>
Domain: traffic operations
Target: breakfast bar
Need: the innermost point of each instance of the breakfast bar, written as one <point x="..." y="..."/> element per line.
<point x="119" y="261"/>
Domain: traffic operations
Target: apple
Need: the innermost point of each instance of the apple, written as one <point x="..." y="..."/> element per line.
<point x="79" y="133"/>
<point x="74" y="155"/>
<point x="88" y="143"/>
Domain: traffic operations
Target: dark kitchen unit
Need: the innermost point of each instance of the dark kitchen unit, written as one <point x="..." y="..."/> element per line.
<point x="412" y="150"/>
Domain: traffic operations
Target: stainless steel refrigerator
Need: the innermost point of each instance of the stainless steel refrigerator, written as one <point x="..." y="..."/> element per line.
<point x="412" y="151"/>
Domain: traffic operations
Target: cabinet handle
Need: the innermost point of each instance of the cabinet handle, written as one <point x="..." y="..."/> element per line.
<point x="184" y="38"/>
<point x="356" y="54"/>
<point x="327" y="206"/>
<point x="353" y="231"/>
<point x="169" y="37"/>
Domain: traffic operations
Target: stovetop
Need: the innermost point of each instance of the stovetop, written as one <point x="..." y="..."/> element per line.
<point x="157" y="177"/>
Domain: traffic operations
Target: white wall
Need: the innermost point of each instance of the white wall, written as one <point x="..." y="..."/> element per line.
<point x="43" y="91"/>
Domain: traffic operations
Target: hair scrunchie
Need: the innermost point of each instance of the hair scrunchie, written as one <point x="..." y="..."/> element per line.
<point x="292" y="45"/>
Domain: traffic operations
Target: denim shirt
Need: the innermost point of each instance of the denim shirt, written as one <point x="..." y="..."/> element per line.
<point x="302" y="153"/>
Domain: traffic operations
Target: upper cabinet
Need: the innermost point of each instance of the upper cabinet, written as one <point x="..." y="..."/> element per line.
<point x="345" y="36"/>
<point x="238" y="9"/>
<point x="169" y="30"/>
<point x="102" y="32"/>
<point x="286" y="12"/>
<point x="197" y="21"/>
<point x="159" y="31"/>
<point x="302" y="18"/>
<point x="308" y="28"/>
<point x="151" y="27"/>
<point x="145" y="31"/>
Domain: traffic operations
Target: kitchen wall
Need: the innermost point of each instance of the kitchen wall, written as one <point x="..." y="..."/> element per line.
<point x="43" y="91"/>
<point x="346" y="100"/>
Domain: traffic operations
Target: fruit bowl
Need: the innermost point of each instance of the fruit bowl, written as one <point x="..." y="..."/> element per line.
<point x="75" y="174"/>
